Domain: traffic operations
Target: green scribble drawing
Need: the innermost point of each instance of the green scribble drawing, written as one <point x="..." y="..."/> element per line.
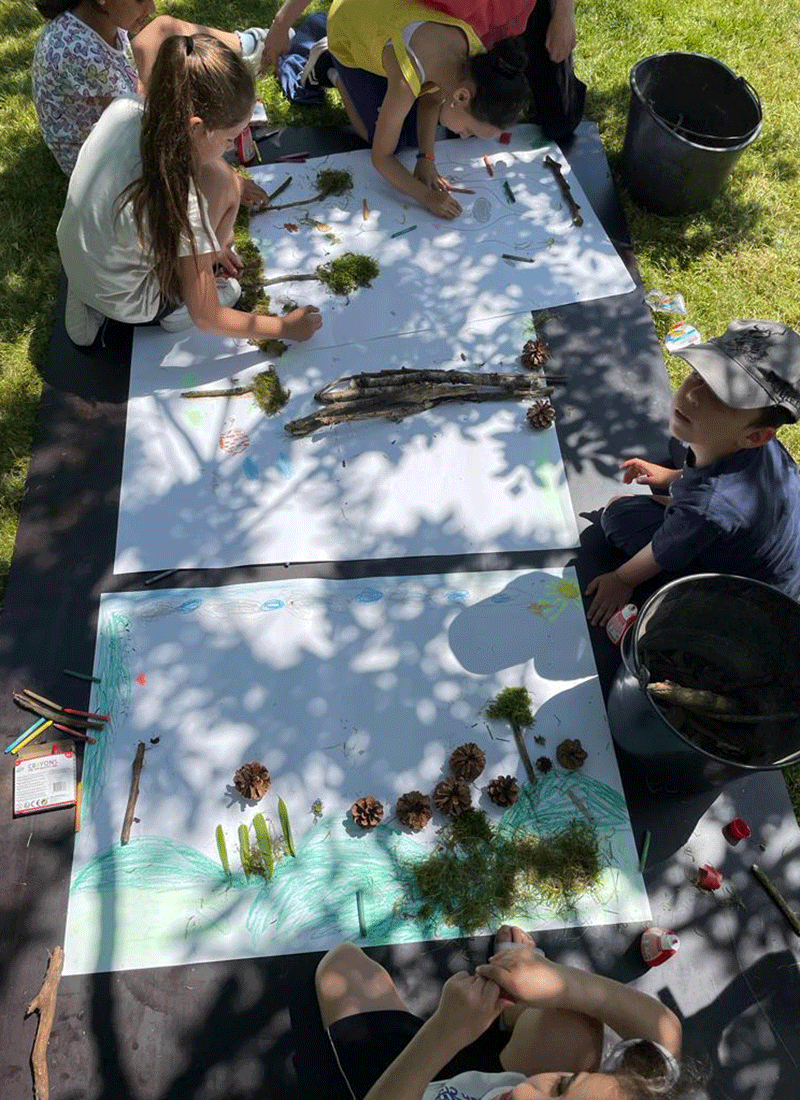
<point x="111" y="696"/>
<point x="153" y="863"/>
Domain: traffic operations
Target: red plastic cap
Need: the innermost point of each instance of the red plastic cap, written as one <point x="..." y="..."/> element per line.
<point x="504" y="138"/>
<point x="708" y="878"/>
<point x="736" y="830"/>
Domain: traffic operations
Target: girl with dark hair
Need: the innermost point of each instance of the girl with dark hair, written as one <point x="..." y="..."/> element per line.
<point x="549" y="1042"/>
<point x="151" y="204"/>
<point x="93" y="51"/>
<point x="400" y="66"/>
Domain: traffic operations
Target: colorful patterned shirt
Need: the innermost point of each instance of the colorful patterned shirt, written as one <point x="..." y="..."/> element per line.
<point x="75" y="73"/>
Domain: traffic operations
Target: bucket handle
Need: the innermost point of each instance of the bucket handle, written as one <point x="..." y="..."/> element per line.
<point x="753" y="93"/>
<point x="625" y="647"/>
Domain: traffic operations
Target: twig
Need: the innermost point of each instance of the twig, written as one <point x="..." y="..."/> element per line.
<point x="289" y="278"/>
<point x="581" y="805"/>
<point x="523" y="752"/>
<point x="710" y="704"/>
<point x="519" y="259"/>
<point x="360" y="384"/>
<point x="778" y="898"/>
<point x="297" y="202"/>
<point x="45" y="1004"/>
<point x="57" y="715"/>
<point x="232" y="391"/>
<point x="136" y="771"/>
<point x="569" y="198"/>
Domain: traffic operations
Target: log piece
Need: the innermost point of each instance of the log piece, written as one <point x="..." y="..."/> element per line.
<point x="45" y="1004"/>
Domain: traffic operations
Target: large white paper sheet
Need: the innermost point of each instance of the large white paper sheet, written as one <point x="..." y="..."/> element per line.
<point x="213" y="483"/>
<point x="342" y="688"/>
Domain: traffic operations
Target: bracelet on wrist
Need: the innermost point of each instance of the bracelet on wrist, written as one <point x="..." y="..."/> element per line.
<point x="426" y="156"/>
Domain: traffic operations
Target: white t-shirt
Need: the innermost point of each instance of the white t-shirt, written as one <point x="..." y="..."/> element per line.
<point x="74" y="72"/>
<point x="104" y="260"/>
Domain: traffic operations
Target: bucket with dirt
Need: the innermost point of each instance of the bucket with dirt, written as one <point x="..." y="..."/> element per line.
<point x="709" y="686"/>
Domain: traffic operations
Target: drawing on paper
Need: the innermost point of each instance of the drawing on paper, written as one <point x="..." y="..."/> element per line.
<point x="341" y="688"/>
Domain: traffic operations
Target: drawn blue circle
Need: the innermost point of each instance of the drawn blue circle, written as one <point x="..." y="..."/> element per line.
<point x="272" y="605"/>
<point x="188" y="606"/>
<point x="456" y="597"/>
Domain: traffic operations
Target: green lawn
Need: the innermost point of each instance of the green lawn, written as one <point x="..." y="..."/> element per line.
<point x="738" y="259"/>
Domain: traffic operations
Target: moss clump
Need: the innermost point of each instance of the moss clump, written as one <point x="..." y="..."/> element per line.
<point x="271" y="346"/>
<point x="333" y="182"/>
<point x="350" y="271"/>
<point x="513" y="705"/>
<point x="268" y="391"/>
<point x="251" y="277"/>
<point x="475" y="880"/>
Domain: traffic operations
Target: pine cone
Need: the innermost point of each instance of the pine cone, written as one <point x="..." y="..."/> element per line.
<point x="571" y="754"/>
<point x="535" y="354"/>
<point x="452" y="797"/>
<point x="367" y="811"/>
<point x="544" y="764"/>
<point x="468" y="761"/>
<point x="252" y="780"/>
<point x="541" y="414"/>
<point x="504" y="791"/>
<point x="414" y="810"/>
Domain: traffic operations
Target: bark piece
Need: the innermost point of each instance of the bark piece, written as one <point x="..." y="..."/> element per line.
<point x="367" y="811"/>
<point x="414" y="810"/>
<point x="45" y="1004"/>
<point x="467" y="761"/>
<point x="504" y="790"/>
<point x="252" y="780"/>
<point x="571" y="754"/>
<point x="452" y="797"/>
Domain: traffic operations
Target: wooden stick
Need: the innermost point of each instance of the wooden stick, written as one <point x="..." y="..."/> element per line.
<point x="136" y="771"/>
<point x="232" y="391"/>
<point x="289" y="278"/>
<point x="569" y="198"/>
<point x="297" y="202"/>
<point x="711" y="704"/>
<point x="45" y="1004"/>
<point x="59" y="715"/>
<point x="519" y="737"/>
<point x="359" y="383"/>
<point x="42" y="699"/>
<point x="778" y="898"/>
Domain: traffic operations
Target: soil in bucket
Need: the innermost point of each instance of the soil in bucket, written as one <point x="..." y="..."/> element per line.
<point x="723" y="667"/>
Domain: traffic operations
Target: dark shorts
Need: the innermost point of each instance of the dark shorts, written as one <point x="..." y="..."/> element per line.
<point x="630" y="522"/>
<point x="368" y="91"/>
<point x="366" y="1044"/>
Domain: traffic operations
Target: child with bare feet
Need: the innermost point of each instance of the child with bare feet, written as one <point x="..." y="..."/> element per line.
<point x="554" y="1018"/>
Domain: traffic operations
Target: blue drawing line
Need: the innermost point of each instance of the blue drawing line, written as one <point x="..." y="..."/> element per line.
<point x="284" y="465"/>
<point x="250" y="468"/>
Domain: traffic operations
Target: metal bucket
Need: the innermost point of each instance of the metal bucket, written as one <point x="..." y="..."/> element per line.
<point x="746" y="627"/>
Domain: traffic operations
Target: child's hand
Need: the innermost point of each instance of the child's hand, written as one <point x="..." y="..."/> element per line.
<point x="468" y="1005"/>
<point x="427" y="172"/>
<point x="648" y="473"/>
<point x="302" y="323"/>
<point x="524" y="974"/>
<point x="230" y="261"/>
<point x="441" y="204"/>
<point x="560" y="38"/>
<point x="255" y="198"/>
<point x="610" y="594"/>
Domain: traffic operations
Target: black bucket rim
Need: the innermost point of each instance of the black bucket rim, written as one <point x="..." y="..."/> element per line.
<point x="631" y="637"/>
<point x="719" y="143"/>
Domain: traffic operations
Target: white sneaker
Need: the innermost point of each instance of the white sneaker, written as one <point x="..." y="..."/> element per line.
<point x="313" y="74"/>
<point x="253" y="59"/>
<point x="228" y="291"/>
<point x="81" y="321"/>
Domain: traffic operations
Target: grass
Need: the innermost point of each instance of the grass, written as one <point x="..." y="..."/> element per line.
<point x="737" y="259"/>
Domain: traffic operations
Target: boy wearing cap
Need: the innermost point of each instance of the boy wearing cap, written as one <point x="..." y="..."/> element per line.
<point x="734" y="507"/>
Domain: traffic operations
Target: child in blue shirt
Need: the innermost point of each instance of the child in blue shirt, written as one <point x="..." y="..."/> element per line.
<point x="734" y="507"/>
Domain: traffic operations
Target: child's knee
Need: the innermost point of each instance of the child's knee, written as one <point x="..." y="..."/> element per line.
<point x="337" y="961"/>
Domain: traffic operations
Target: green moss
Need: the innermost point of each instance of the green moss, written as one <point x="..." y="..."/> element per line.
<point x="513" y="705"/>
<point x="333" y="182"/>
<point x="252" y="275"/>
<point x="268" y="391"/>
<point x="348" y="272"/>
<point x="271" y="346"/>
<point x="474" y="880"/>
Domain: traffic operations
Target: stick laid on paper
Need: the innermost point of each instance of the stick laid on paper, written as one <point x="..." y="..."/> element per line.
<point x="569" y="198"/>
<point x="130" y="809"/>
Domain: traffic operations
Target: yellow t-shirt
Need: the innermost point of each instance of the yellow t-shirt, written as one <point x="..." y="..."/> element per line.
<point x="358" y="31"/>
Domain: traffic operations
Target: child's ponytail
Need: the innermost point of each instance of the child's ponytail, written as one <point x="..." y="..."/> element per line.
<point x="193" y="76"/>
<point x="502" y="89"/>
<point x="51" y="8"/>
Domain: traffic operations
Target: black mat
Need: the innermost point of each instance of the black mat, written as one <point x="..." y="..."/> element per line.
<point x="248" y="1028"/>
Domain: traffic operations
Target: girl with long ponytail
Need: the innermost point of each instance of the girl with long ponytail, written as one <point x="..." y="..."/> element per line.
<point x="147" y="229"/>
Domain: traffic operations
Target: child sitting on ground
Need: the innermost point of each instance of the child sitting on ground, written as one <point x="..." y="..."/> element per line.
<point x="554" y="1017"/>
<point x="735" y="505"/>
<point x="92" y="51"/>
<point x="392" y="55"/>
<point x="151" y="205"/>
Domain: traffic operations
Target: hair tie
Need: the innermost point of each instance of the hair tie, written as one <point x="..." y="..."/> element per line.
<point x="187" y="38"/>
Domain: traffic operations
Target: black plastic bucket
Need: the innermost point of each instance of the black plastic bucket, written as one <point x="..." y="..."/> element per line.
<point x="690" y="120"/>
<point x="748" y="630"/>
